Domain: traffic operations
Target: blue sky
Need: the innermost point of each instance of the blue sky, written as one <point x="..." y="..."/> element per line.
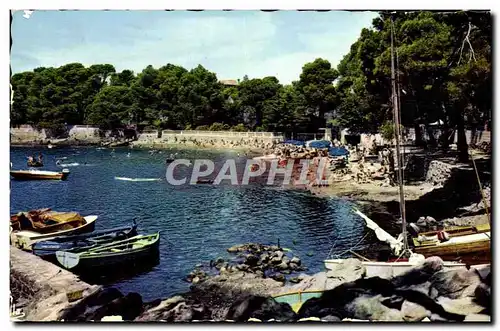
<point x="230" y="43"/>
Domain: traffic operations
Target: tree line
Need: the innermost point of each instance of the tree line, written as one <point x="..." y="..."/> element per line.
<point x="444" y="74"/>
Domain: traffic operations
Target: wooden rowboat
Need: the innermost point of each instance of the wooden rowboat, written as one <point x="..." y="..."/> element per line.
<point x="33" y="174"/>
<point x="25" y="239"/>
<point x="48" y="248"/>
<point x="123" y="252"/>
<point x="470" y="244"/>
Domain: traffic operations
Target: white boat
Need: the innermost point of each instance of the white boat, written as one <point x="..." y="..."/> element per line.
<point x="24" y="239"/>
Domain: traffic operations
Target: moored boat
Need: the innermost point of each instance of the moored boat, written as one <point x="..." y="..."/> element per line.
<point x="47" y="248"/>
<point x="471" y="244"/>
<point x="31" y="227"/>
<point x="123" y="252"/>
<point x="33" y="174"/>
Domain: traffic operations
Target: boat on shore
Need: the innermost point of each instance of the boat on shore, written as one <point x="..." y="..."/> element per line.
<point x="391" y="267"/>
<point x="28" y="228"/>
<point x="33" y="174"/>
<point x="471" y="244"/>
<point x="122" y="252"/>
<point x="48" y="248"/>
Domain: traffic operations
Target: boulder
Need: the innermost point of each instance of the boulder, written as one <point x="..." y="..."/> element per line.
<point x="295" y="260"/>
<point x="455" y="283"/>
<point x="413" y="312"/>
<point x="175" y="309"/>
<point x="482" y="295"/>
<point x="279" y="277"/>
<point x="462" y="306"/>
<point x="331" y="318"/>
<point x="251" y="260"/>
<point x="348" y="271"/>
<point x="262" y="308"/>
<point x="371" y="308"/>
<point x="282" y="266"/>
<point x="293" y="266"/>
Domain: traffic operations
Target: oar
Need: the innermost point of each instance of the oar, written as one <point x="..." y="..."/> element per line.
<point x="67" y="259"/>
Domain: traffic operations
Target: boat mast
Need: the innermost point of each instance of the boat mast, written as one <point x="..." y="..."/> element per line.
<point x="395" y="105"/>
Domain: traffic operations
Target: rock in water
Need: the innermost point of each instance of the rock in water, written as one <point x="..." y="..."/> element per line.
<point x="413" y="312"/>
<point x="261" y="308"/>
<point x="482" y="295"/>
<point x="295" y="260"/>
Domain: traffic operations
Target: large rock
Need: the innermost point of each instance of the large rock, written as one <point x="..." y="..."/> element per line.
<point x="462" y="306"/>
<point x="348" y="271"/>
<point x="175" y="309"/>
<point x="413" y="312"/>
<point x="455" y="283"/>
<point x="262" y="308"/>
<point x="482" y="296"/>
<point x="371" y="308"/>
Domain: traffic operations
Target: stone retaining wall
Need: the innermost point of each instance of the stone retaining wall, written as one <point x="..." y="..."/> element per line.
<point x="49" y="283"/>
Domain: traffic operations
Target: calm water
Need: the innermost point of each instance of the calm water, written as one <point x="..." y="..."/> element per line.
<point x="198" y="223"/>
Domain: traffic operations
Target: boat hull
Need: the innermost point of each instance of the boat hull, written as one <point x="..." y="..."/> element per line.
<point x="30" y="175"/>
<point x="387" y="269"/>
<point x="48" y="248"/>
<point x="109" y="260"/>
<point x="25" y="239"/>
<point x="477" y="252"/>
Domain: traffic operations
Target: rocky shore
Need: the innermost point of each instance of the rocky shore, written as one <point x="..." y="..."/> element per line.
<point x="426" y="293"/>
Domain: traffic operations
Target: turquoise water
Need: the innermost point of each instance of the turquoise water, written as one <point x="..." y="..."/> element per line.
<point x="197" y="222"/>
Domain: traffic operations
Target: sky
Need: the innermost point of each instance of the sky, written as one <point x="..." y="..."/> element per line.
<point x="230" y="43"/>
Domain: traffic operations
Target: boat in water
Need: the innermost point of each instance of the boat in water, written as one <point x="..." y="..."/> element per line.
<point x="30" y="227"/>
<point x="48" y="248"/>
<point x="33" y="174"/>
<point x="123" y="252"/>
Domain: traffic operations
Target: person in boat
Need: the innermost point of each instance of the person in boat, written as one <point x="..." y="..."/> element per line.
<point x="40" y="158"/>
<point x="31" y="159"/>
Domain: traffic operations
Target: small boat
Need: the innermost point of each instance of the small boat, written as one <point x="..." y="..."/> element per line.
<point x="33" y="174"/>
<point x="29" y="228"/>
<point x="390" y="268"/>
<point x="117" y="253"/>
<point x="49" y="146"/>
<point x="48" y="248"/>
<point x="204" y="181"/>
<point x="468" y="243"/>
<point x="128" y="179"/>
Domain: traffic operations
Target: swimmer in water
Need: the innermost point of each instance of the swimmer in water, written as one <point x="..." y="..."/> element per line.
<point x="128" y="154"/>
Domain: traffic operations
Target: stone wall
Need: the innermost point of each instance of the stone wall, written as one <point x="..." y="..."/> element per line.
<point x="26" y="134"/>
<point x="49" y="286"/>
<point x="84" y="132"/>
<point x="220" y="139"/>
<point x="438" y="172"/>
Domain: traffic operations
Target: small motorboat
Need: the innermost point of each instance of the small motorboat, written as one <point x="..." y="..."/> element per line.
<point x="50" y="146"/>
<point x="33" y="174"/>
<point x="44" y="224"/>
<point x="48" y="248"/>
<point x="122" y="252"/>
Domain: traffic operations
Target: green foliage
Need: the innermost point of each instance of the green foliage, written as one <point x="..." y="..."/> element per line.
<point x="239" y="128"/>
<point x="217" y="127"/>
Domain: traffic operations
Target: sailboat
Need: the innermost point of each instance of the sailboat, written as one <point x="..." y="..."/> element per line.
<point x="406" y="259"/>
